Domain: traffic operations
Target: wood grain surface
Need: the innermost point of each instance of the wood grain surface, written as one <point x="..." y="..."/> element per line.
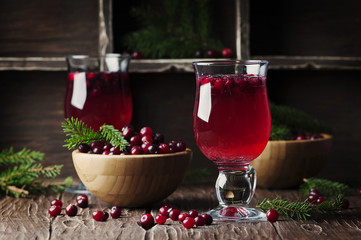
<point x="29" y="219"/>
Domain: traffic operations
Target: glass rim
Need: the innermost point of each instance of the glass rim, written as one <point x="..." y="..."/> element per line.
<point x="229" y="62"/>
<point x="107" y="55"/>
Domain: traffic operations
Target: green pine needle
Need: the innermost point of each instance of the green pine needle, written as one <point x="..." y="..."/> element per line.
<point x="299" y="210"/>
<point x="331" y="206"/>
<point x="326" y="187"/>
<point x="8" y="156"/>
<point x="114" y="136"/>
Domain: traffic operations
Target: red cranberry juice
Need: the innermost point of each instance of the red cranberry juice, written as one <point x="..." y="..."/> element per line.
<point x="231" y="119"/>
<point x="108" y="100"/>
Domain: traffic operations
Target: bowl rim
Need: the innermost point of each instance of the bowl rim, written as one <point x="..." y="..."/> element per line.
<point x="325" y="137"/>
<point x="185" y="152"/>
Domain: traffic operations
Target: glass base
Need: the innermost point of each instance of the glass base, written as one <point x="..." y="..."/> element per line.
<point x="78" y="189"/>
<point x="237" y="214"/>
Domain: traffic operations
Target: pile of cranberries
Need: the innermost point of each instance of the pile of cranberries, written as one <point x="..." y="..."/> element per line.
<point x="82" y="202"/>
<point x="143" y="142"/>
<point x="188" y="219"/>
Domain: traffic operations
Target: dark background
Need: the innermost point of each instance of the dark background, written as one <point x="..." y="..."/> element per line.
<point x="31" y="102"/>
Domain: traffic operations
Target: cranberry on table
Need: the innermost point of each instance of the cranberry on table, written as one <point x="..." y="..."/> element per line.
<point x="82" y="202"/>
<point x="54" y="210"/>
<point x="164" y="211"/>
<point x="84" y="148"/>
<point x="199" y="221"/>
<point x="182" y="216"/>
<point x="71" y="210"/>
<point x="188" y="222"/>
<point x="320" y="200"/>
<point x="146" y="221"/>
<point x="314" y="191"/>
<point x="312" y="198"/>
<point x="115" y="212"/>
<point x="106" y="216"/>
<point x="173" y="214"/>
<point x="272" y="215"/>
<point x="56" y="202"/>
<point x="193" y="213"/>
<point x="208" y="218"/>
<point x="98" y="215"/>
<point x="227" y="53"/>
<point x="160" y="219"/>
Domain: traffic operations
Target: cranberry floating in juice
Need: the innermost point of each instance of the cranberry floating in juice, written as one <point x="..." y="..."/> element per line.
<point x="231" y="125"/>
<point x="98" y="90"/>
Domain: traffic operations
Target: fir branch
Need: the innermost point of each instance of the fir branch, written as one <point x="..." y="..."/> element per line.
<point x="331" y="206"/>
<point x="114" y="136"/>
<point x="326" y="187"/>
<point x="78" y="132"/>
<point x="299" y="210"/>
<point x="7" y="156"/>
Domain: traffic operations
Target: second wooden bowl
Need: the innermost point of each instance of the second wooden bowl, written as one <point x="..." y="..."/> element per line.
<point x="284" y="164"/>
<point x="132" y="180"/>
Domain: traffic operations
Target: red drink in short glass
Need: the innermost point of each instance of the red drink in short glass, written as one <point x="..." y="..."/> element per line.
<point x="98" y="90"/>
<point x="231" y="125"/>
<point x="239" y="123"/>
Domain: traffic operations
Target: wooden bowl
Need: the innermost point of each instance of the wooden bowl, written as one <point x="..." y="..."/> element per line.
<point x="284" y="164"/>
<point x="132" y="180"/>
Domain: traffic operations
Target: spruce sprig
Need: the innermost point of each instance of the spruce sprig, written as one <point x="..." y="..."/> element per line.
<point x="78" y="132"/>
<point x="8" y="156"/>
<point x="326" y="187"/>
<point x="27" y="176"/>
<point x="299" y="210"/>
<point x="114" y="136"/>
<point x="331" y="206"/>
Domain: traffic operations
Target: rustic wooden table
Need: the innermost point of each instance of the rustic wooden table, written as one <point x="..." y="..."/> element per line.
<point x="29" y="219"/>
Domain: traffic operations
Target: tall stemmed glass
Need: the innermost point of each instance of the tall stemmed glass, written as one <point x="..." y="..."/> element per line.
<point x="231" y="125"/>
<point x="98" y="93"/>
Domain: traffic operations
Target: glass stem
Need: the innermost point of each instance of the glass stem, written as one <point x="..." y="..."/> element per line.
<point x="236" y="188"/>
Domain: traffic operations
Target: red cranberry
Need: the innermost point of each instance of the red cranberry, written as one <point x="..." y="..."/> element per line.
<point x="182" y="216"/>
<point x="173" y="214"/>
<point x="199" y="54"/>
<point x="115" y="151"/>
<point x="160" y="219"/>
<point x="145" y="147"/>
<point x="106" y="216"/>
<point x="56" y="202"/>
<point x="300" y="137"/>
<point x="218" y="84"/>
<point x="172" y="144"/>
<point x="227" y="53"/>
<point x="97" y="150"/>
<point x="106" y="152"/>
<point x="147" y="139"/>
<point x="188" y="222"/>
<point x="199" y="221"/>
<point x="320" y="200"/>
<point x="212" y="53"/>
<point x="96" y="145"/>
<point x="84" y="148"/>
<point x="98" y="215"/>
<point x="147" y="221"/>
<point x="181" y="146"/>
<point x="315" y="192"/>
<point x="137" y="55"/>
<point x="193" y="213"/>
<point x="158" y="138"/>
<point x="146" y="131"/>
<point x="128" y="132"/>
<point x="82" y="202"/>
<point x="163" y="148"/>
<point x="207" y="218"/>
<point x="71" y="210"/>
<point x="81" y="196"/>
<point x="136" y="150"/>
<point x="153" y="149"/>
<point x="136" y="140"/>
<point x="272" y="215"/>
<point x="54" y="210"/>
<point x="115" y="212"/>
<point x="312" y="198"/>
<point x="107" y="147"/>
<point x="164" y="211"/>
